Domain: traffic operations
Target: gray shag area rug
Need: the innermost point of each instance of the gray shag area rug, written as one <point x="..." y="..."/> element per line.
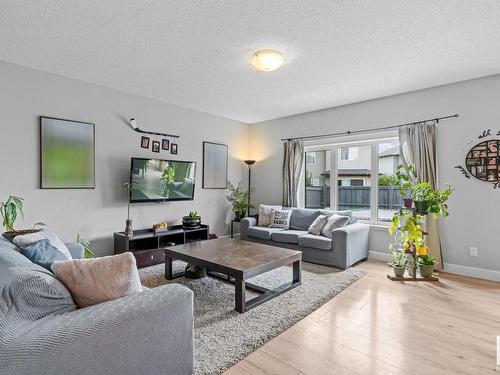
<point x="222" y="337"/>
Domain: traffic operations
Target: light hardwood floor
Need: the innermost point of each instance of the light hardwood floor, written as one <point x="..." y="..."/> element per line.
<point x="378" y="326"/>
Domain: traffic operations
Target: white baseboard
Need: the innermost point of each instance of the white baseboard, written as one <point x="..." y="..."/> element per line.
<point x="377" y="255"/>
<point x="479" y="273"/>
<point x="457" y="269"/>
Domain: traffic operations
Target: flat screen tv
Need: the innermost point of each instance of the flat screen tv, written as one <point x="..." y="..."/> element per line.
<point x="155" y="180"/>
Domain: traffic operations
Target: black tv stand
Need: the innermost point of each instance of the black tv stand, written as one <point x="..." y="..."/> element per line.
<point x="147" y="246"/>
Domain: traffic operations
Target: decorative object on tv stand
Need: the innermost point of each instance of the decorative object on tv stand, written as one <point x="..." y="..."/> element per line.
<point x="145" y="142"/>
<point x="409" y="237"/>
<point x="129" y="230"/>
<point x="160" y="227"/>
<point x="192" y="220"/>
<point x="239" y="200"/>
<point x="214" y="165"/>
<point x="155" y="147"/>
<point x="10" y="211"/>
<point x="67" y="154"/>
<point x="174" y="148"/>
<point x="249" y="163"/>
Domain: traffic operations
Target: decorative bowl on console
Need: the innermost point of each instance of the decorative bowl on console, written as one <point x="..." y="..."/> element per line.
<point x="193" y="220"/>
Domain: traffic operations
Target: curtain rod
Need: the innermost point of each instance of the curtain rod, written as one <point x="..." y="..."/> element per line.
<point x="349" y="132"/>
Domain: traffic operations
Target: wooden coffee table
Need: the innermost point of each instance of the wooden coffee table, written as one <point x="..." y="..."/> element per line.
<point x="236" y="261"/>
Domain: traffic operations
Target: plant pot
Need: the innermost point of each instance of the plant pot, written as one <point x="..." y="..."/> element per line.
<point x="9" y="236"/>
<point x="129" y="230"/>
<point x="408" y="202"/>
<point x="426" y="270"/>
<point x="422" y="207"/>
<point x="238" y="215"/>
<point x="188" y="222"/>
<point x="398" y="271"/>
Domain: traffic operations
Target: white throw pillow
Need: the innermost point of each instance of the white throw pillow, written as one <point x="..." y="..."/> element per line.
<point x="334" y="222"/>
<point x="45" y="234"/>
<point x="265" y="214"/>
<point x="280" y="218"/>
<point x="95" y="280"/>
<point x="318" y="224"/>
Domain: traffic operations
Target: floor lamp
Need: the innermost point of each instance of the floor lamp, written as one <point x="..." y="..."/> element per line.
<point x="249" y="163"/>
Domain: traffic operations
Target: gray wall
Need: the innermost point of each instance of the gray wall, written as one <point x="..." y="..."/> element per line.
<point x="474" y="206"/>
<point x="96" y="214"/>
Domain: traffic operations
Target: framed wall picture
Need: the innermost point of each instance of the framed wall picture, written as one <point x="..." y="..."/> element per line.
<point x="173" y="148"/>
<point x="156" y="146"/>
<point x="214" y="165"/>
<point x="165" y="144"/>
<point x="144" y="142"/>
<point x="67" y="154"/>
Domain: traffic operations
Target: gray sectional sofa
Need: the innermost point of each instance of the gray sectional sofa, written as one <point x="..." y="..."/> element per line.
<point x="347" y="246"/>
<point x="42" y="331"/>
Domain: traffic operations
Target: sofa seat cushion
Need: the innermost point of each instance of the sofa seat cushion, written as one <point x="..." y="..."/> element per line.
<point x="288" y="236"/>
<point x="315" y="242"/>
<point x="262" y="233"/>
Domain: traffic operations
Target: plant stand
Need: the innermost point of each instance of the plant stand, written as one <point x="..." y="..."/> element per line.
<point x="414" y="255"/>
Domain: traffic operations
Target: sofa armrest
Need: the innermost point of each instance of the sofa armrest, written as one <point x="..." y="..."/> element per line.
<point x="353" y="240"/>
<point x="246" y="223"/>
<point x="75" y="249"/>
<point x="146" y="333"/>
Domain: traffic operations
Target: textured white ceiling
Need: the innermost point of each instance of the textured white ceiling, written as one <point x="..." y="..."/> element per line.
<point x="196" y="53"/>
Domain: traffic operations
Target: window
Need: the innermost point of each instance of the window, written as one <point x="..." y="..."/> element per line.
<point x="365" y="179"/>
<point x="356" y="195"/>
<point x="348" y="153"/>
<point x="317" y="179"/>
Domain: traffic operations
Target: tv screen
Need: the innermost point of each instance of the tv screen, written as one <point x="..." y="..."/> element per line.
<point x="155" y="180"/>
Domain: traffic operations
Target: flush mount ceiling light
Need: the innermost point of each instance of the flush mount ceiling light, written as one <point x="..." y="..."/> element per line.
<point x="267" y="60"/>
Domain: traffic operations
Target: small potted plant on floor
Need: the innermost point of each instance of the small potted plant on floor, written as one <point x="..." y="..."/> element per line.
<point x="400" y="261"/>
<point x="239" y="199"/>
<point x="192" y="220"/>
<point x="10" y="211"/>
<point x="426" y="265"/>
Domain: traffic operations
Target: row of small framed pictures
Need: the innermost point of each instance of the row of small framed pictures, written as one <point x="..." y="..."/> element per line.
<point x="155" y="147"/>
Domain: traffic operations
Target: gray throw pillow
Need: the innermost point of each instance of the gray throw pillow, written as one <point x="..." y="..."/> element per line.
<point x="280" y="218"/>
<point x="42" y="253"/>
<point x="318" y="224"/>
<point x="334" y="222"/>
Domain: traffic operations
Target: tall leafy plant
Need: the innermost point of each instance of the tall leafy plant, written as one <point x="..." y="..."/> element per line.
<point x="238" y="198"/>
<point x="10" y="210"/>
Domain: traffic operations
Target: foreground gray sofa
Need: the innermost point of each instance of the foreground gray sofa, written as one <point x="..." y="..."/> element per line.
<point x="347" y="246"/>
<point x="42" y="331"/>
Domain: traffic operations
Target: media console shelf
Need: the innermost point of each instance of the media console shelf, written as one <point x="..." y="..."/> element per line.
<point x="147" y="246"/>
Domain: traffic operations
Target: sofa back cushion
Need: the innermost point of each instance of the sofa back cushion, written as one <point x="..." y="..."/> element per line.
<point x="28" y="292"/>
<point x="302" y="218"/>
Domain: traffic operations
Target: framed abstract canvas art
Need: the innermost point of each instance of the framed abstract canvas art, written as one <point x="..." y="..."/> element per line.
<point x="67" y="154"/>
<point x="214" y="165"/>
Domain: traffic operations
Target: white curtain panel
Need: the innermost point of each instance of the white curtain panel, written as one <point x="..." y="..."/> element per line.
<point x="418" y="148"/>
<point x="293" y="162"/>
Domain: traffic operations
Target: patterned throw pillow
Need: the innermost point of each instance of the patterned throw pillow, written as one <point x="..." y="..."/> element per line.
<point x="318" y="224"/>
<point x="280" y="218"/>
<point x="334" y="222"/>
<point x="265" y="214"/>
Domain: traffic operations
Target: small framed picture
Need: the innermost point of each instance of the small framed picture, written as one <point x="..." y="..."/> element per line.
<point x="156" y="146"/>
<point x="165" y="144"/>
<point x="144" y="142"/>
<point x="492" y="146"/>
<point x="173" y="148"/>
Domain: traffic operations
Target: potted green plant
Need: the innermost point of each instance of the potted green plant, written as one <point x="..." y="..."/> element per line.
<point x="87" y="251"/>
<point x="10" y="210"/>
<point x="239" y="199"/>
<point x="403" y="182"/>
<point x="400" y="261"/>
<point x="129" y="230"/>
<point x="192" y="220"/>
<point x="426" y="265"/>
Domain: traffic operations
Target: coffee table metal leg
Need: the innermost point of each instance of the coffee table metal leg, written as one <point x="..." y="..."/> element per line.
<point x="168" y="268"/>
<point x="239" y="286"/>
<point x="297" y="274"/>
